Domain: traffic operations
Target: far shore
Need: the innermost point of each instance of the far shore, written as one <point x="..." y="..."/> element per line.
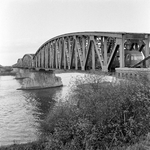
<point x="7" y="74"/>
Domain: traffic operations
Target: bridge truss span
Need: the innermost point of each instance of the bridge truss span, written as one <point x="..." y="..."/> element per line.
<point x="87" y="50"/>
<point x="80" y="51"/>
<point x="27" y="61"/>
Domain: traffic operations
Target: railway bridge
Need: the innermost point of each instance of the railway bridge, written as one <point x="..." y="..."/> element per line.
<point x="103" y="51"/>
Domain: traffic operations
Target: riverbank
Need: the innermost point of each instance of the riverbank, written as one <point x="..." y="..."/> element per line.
<point x="41" y="145"/>
<point x="37" y="145"/>
<point x="7" y="73"/>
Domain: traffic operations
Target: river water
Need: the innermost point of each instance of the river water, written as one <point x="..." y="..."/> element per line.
<point x="21" y="112"/>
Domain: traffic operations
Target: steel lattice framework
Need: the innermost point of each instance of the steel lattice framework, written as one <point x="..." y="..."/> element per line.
<point x="86" y="50"/>
<point x="27" y="61"/>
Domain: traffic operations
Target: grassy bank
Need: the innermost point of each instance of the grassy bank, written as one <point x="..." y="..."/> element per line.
<point x="99" y="116"/>
<point x="37" y="145"/>
<point x="143" y="144"/>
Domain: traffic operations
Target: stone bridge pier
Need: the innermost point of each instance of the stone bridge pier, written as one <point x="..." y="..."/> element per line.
<point x="41" y="80"/>
<point x="21" y="73"/>
<point x="33" y="79"/>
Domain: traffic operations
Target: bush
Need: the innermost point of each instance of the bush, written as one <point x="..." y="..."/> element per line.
<point x="101" y="115"/>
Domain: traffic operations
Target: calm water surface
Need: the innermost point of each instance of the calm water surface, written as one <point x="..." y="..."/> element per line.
<point x="22" y="111"/>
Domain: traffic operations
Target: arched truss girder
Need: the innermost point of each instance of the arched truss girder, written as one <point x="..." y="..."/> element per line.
<point x="19" y="63"/>
<point x="27" y="61"/>
<point x="76" y="51"/>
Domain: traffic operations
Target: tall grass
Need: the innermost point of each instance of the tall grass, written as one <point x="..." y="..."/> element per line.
<point x="101" y="115"/>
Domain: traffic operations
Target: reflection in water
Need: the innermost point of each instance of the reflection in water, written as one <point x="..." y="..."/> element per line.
<point x="21" y="112"/>
<point x="41" y="100"/>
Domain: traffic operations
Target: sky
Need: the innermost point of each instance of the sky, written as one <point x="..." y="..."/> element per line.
<point x="26" y="24"/>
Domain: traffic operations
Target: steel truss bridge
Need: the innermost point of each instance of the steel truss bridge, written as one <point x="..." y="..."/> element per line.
<point x="85" y="51"/>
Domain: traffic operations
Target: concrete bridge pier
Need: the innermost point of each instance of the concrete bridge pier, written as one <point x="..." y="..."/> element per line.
<point x="21" y="73"/>
<point x="40" y="80"/>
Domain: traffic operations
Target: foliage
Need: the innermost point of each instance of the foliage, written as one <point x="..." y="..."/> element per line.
<point x="102" y="115"/>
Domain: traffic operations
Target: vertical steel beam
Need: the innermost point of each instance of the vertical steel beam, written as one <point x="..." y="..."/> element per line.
<point x="52" y="50"/>
<point x="83" y="50"/>
<point x="105" y="67"/>
<point x="105" y="51"/>
<point x="56" y="53"/>
<point x="69" y="53"/>
<point x="121" y="51"/>
<point x="93" y="55"/>
<point x="102" y="44"/>
<point x="42" y="58"/>
<point x="147" y="49"/>
<point x="60" y="54"/>
<point x="76" y="54"/>
<point x="37" y="61"/>
<point x="64" y="52"/>
<point x="46" y="56"/>
<point x="43" y="51"/>
<point x="39" y="54"/>
<point x="34" y="62"/>
<point x="50" y="47"/>
<point x="29" y="62"/>
<point x="52" y="54"/>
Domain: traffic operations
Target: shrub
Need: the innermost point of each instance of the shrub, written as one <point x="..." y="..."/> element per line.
<point x="101" y="115"/>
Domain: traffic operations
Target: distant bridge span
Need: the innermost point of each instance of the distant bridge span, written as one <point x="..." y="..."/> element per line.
<point x="85" y="50"/>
